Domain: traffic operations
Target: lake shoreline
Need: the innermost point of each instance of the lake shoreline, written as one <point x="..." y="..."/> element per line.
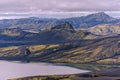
<point x="98" y="74"/>
<point x="14" y="69"/>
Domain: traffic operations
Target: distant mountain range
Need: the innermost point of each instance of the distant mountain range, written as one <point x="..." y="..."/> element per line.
<point x="34" y="24"/>
<point x="35" y="30"/>
<point x="90" y="20"/>
<point x="58" y="34"/>
<point x="38" y="24"/>
<point x="89" y="39"/>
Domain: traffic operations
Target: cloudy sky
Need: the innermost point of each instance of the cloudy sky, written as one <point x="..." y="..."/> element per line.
<point x="55" y="8"/>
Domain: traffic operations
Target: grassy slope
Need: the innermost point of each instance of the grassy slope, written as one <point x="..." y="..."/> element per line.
<point x="105" y="50"/>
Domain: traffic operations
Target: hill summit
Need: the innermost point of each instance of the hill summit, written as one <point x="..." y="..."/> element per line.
<point x="64" y="26"/>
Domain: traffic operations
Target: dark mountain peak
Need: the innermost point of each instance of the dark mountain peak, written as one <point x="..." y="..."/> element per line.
<point x="100" y="16"/>
<point x="64" y="26"/>
<point x="101" y="13"/>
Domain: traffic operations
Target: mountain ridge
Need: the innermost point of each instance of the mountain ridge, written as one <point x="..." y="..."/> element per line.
<point x="41" y="24"/>
<point x="63" y="43"/>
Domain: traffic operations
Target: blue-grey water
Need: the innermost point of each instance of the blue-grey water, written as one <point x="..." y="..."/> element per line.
<point x="10" y="69"/>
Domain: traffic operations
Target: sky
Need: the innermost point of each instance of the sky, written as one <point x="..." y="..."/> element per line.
<point x="57" y="8"/>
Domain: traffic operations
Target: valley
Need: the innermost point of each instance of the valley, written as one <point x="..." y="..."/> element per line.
<point x="89" y="42"/>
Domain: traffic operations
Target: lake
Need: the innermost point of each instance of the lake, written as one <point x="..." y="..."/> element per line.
<point x="12" y="69"/>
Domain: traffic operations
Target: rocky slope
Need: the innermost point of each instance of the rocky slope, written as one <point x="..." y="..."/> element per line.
<point x="105" y="29"/>
<point x="58" y="34"/>
<point x="104" y="50"/>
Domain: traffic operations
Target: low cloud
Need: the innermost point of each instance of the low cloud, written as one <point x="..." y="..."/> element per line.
<point x="38" y="6"/>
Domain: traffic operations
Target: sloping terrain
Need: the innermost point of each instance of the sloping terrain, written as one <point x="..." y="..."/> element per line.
<point x="105" y="29"/>
<point x="60" y="41"/>
<point x="14" y="34"/>
<point x="58" y="34"/>
<point x="91" y="20"/>
<point x="73" y="46"/>
<point x="104" y="50"/>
